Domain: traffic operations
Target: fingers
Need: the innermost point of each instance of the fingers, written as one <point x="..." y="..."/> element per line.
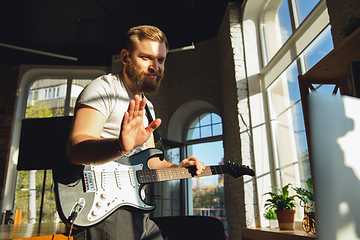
<point x="153" y="125"/>
<point x="192" y="161"/>
<point x="135" y="109"/>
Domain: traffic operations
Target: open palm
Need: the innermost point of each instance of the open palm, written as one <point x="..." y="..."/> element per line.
<point x="133" y="133"/>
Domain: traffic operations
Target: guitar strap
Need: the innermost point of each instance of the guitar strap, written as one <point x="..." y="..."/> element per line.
<point x="157" y="138"/>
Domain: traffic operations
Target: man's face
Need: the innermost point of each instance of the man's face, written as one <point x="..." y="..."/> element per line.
<point x="146" y="64"/>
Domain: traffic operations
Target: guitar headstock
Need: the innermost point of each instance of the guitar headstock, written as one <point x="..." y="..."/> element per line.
<point x="237" y="170"/>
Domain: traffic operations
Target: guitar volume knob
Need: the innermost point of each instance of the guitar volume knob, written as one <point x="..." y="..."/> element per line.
<point x="94" y="213"/>
<point x="103" y="196"/>
<point x="98" y="204"/>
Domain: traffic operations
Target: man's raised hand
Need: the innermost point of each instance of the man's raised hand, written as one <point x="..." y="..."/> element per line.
<point x="132" y="130"/>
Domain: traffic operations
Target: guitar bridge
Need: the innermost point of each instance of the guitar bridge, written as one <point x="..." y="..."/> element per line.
<point x="90" y="181"/>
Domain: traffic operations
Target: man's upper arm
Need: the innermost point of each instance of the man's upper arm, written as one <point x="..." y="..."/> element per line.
<point x="87" y="122"/>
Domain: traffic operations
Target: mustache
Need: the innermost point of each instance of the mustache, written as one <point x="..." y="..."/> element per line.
<point x="156" y="73"/>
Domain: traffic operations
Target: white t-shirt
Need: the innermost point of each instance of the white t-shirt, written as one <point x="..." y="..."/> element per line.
<point x="111" y="96"/>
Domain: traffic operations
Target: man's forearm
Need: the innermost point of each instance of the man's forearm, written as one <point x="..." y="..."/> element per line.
<point x="86" y="150"/>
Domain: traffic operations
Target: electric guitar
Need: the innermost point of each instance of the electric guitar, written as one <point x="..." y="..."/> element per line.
<point x="94" y="192"/>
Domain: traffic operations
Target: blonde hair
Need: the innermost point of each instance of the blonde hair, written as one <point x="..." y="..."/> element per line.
<point x="144" y="32"/>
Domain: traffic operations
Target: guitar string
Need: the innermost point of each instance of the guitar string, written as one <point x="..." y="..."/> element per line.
<point x="162" y="171"/>
<point x="160" y="174"/>
<point x="181" y="171"/>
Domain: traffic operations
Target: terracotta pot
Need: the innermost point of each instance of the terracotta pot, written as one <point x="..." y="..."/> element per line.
<point x="286" y="219"/>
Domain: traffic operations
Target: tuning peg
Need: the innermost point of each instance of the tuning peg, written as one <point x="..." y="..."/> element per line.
<point x="237" y="170"/>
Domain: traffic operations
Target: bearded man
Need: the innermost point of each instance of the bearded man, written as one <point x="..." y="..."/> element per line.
<point x="110" y="122"/>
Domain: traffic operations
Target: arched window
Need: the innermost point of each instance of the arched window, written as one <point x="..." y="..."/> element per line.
<point x="40" y="97"/>
<point x="204" y="141"/>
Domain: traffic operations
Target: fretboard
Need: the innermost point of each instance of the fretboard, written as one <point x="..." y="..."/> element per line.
<point x="159" y="175"/>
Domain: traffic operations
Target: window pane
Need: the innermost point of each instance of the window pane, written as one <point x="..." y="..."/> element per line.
<point x="215" y="118"/>
<point x="284" y="19"/>
<point x="206" y="132"/>
<point x="303" y="8"/>
<point x="217" y="129"/>
<point x="45" y="105"/>
<point x="319" y="48"/>
<point x="290" y="138"/>
<point x="276" y="26"/>
<point x="205" y="119"/>
<point x="284" y="91"/>
<point x="193" y="134"/>
<point x="327" y="88"/>
<point x="29" y="193"/>
<point x="204" y="126"/>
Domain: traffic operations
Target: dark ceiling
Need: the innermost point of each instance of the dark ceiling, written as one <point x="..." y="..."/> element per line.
<point x="91" y="30"/>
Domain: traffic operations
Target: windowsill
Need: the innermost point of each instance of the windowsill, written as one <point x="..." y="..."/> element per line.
<point x="267" y="233"/>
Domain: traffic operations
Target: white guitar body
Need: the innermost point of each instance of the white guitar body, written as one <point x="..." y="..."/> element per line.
<point x="117" y="186"/>
<point x="102" y="188"/>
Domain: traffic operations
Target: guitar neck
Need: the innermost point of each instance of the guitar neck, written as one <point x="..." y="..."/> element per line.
<point x="166" y="174"/>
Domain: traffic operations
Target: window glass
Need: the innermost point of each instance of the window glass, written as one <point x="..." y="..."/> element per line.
<point x="276" y="26"/>
<point x="284" y="91"/>
<point x="208" y="197"/>
<point x="204" y="126"/>
<point x="43" y="107"/>
<point x="284" y="21"/>
<point x="327" y="89"/>
<point x="319" y="48"/>
<point x="291" y="145"/>
<point x="302" y="9"/>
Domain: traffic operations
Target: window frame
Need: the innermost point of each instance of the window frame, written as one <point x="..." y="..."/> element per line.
<point x="289" y="53"/>
<point x="28" y="74"/>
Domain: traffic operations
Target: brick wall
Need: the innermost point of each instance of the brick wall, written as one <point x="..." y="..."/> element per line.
<point x="234" y="88"/>
<point x="8" y="95"/>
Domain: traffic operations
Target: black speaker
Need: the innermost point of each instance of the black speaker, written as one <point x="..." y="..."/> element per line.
<point x="208" y="228"/>
<point x="43" y="142"/>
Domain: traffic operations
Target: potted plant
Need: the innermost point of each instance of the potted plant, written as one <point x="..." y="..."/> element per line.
<point x="271" y="216"/>
<point x="284" y="206"/>
<point x="305" y="195"/>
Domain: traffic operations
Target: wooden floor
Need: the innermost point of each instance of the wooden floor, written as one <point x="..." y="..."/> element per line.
<point x="45" y="231"/>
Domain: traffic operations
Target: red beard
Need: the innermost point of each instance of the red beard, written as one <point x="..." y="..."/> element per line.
<point x="140" y="80"/>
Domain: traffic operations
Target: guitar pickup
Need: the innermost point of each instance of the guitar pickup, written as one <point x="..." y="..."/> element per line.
<point x="90" y="181"/>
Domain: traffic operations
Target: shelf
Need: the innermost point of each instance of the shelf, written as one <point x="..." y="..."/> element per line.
<point x="276" y="234"/>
